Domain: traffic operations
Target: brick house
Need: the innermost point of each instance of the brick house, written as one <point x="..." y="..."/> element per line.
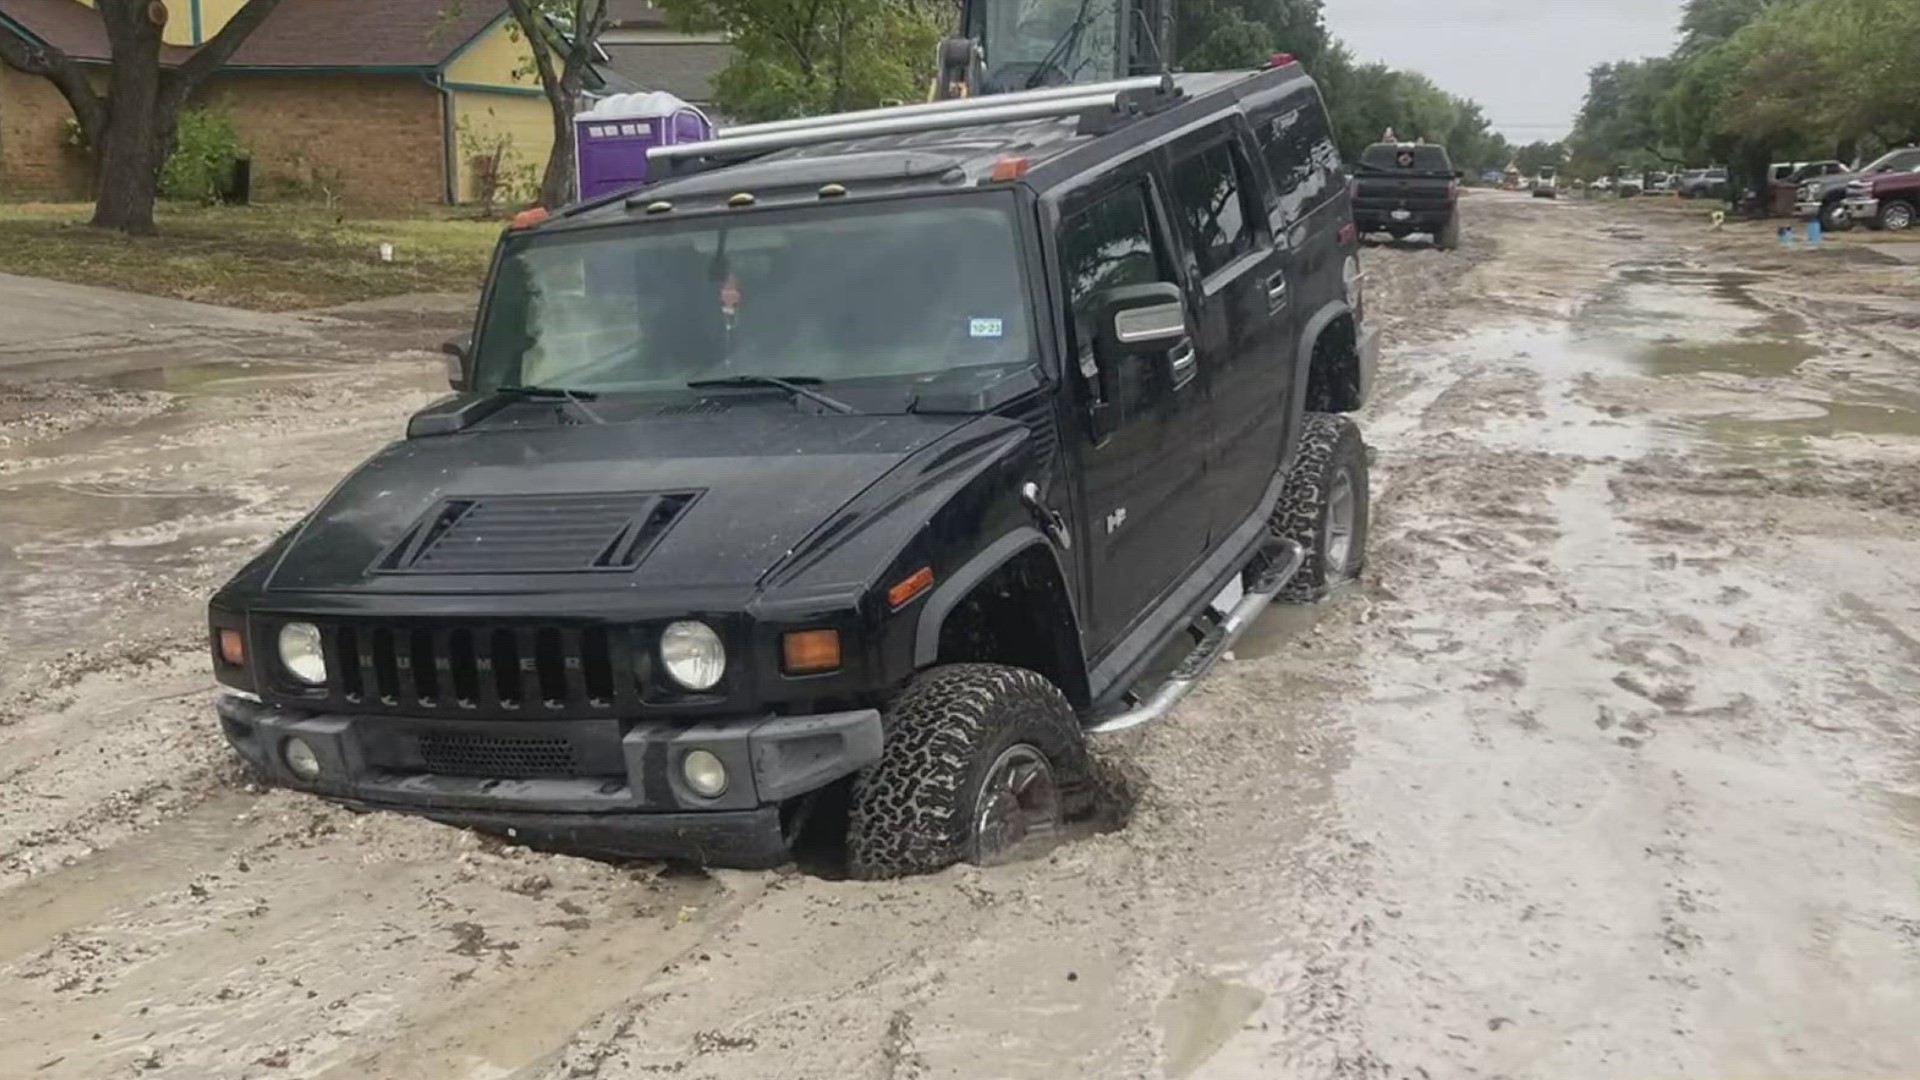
<point x="378" y="102"/>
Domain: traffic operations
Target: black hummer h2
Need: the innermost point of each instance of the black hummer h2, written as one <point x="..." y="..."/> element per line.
<point x="1406" y="188"/>
<point x="850" y="474"/>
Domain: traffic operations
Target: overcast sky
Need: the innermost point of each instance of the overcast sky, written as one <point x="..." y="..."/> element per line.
<point x="1526" y="61"/>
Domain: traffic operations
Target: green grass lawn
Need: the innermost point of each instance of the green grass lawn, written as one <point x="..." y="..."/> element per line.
<point x="281" y="257"/>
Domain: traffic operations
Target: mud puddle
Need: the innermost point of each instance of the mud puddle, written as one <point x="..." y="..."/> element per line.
<point x="218" y="377"/>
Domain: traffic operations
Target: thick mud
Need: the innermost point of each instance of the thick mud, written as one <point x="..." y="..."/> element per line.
<point x="1606" y="768"/>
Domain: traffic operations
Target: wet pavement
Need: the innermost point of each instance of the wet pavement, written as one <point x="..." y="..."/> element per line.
<point x="1607" y="767"/>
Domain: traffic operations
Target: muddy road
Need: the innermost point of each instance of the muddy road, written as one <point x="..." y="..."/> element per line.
<point x="1611" y="765"/>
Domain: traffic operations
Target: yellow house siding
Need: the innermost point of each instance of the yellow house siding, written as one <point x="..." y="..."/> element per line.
<point x="213" y="14"/>
<point x="498" y="57"/>
<point x="481" y="115"/>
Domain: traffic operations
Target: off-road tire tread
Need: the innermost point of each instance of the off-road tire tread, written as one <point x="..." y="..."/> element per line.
<point x="911" y="813"/>
<point x="1326" y="440"/>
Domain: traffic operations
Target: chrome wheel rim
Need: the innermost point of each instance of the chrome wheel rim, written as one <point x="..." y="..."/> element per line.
<point x="1019" y="805"/>
<point x="1340" y="515"/>
<point x="1899" y="217"/>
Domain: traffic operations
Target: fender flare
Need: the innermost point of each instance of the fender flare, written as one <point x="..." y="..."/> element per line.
<point x="949" y="593"/>
<point x="1309" y="339"/>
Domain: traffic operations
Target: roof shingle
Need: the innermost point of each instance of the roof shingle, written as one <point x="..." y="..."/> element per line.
<point x="299" y="33"/>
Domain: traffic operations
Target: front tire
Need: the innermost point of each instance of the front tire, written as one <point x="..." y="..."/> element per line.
<point x="1896" y="216"/>
<point x="981" y="763"/>
<point x="1324" y="506"/>
<point x="1834" y="217"/>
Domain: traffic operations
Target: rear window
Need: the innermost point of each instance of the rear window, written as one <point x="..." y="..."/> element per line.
<point x="1407" y="158"/>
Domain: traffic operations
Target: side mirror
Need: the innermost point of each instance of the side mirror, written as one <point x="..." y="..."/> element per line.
<point x="1136" y="322"/>
<point x="456" y="352"/>
<point x="1140" y="320"/>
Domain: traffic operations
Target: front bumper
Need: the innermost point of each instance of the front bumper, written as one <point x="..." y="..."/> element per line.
<point x="610" y="789"/>
<point x="1808" y="210"/>
<point x="1863" y="209"/>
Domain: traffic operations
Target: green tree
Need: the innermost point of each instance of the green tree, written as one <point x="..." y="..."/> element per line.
<point x="804" y="57"/>
<point x="130" y="128"/>
<point x="1218" y="35"/>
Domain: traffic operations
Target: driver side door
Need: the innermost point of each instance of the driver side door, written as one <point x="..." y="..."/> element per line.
<point x="1147" y="425"/>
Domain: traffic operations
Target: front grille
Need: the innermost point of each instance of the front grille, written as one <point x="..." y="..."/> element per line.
<point x="492" y="756"/>
<point x="481" y="670"/>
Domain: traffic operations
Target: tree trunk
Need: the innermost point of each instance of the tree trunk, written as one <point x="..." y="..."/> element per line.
<point x="556" y="184"/>
<point x="132" y="147"/>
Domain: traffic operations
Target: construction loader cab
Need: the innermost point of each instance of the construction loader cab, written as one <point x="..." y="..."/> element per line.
<point x="837" y="486"/>
<point x="1007" y="46"/>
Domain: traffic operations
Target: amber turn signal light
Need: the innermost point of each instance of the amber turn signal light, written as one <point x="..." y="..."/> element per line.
<point x="910" y="586"/>
<point x="809" y="652"/>
<point x="233" y="648"/>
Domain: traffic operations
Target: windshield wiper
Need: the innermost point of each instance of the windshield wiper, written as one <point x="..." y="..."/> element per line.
<point x="791" y="385"/>
<point x="577" y="398"/>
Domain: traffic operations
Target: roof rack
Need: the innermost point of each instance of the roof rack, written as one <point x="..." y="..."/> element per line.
<point x="935" y="108"/>
<point x="1119" y="95"/>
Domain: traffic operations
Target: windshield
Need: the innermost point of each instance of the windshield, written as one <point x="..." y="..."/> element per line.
<point x="1386" y="157"/>
<point x="1032" y="33"/>
<point x="910" y="292"/>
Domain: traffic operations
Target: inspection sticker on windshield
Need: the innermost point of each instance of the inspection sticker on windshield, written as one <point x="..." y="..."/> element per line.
<point x="987" y="328"/>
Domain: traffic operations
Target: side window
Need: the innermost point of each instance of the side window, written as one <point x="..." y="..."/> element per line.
<point x="1210" y="200"/>
<point x="1297" y="145"/>
<point x="1109" y="244"/>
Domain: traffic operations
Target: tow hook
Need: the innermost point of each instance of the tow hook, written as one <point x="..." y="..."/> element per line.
<point x="1047" y="516"/>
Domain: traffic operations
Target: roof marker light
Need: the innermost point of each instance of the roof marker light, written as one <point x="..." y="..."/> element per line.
<point x="742" y="199"/>
<point x="1010" y="168"/>
<point x="832" y="191"/>
<point x="527" y="219"/>
<point x="1281" y="59"/>
<point x="659" y="206"/>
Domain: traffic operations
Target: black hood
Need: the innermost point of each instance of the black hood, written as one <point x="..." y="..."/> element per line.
<point x="713" y="501"/>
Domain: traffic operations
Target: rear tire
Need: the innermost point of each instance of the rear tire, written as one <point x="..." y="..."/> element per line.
<point x="1324" y="506"/>
<point x="959" y="739"/>
<point x="1448" y="238"/>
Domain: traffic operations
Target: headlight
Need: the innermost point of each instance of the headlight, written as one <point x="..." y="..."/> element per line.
<point x="693" y="655"/>
<point x="300" y="653"/>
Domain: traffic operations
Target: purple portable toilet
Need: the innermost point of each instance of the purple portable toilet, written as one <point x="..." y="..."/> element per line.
<point x="610" y="139"/>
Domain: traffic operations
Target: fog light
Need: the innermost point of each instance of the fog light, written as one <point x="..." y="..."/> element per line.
<point x="704" y="773"/>
<point x="300" y="759"/>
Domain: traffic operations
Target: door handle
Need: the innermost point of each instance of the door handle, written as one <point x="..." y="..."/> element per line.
<point x="1277" y="289"/>
<point x="1183" y="361"/>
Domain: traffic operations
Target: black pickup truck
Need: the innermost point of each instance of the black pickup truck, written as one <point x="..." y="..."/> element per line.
<point x="1406" y="188"/>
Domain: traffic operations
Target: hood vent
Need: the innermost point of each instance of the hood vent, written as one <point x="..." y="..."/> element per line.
<point x="536" y="534"/>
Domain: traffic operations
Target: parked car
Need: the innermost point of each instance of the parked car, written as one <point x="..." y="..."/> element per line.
<point x="1546" y="183"/>
<point x="1405" y="188"/>
<point x="1630" y="185"/>
<point x="1825" y="197"/>
<point x="789" y="493"/>
<point x="1887" y="201"/>
<point x="1704" y="183"/>
<point x="1660" y="182"/>
<point x="1604" y="183"/>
